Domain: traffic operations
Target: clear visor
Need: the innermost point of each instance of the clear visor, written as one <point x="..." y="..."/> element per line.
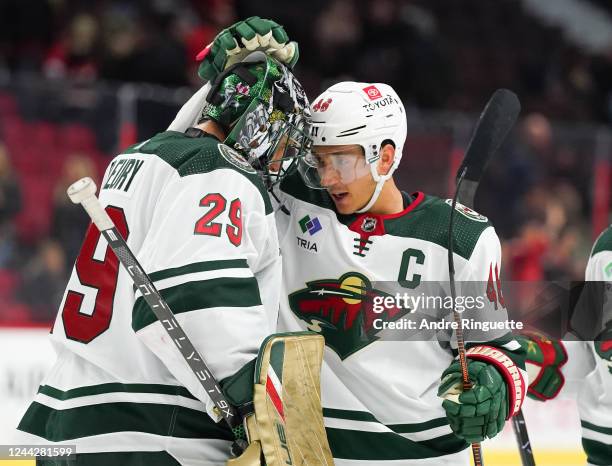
<point x="323" y="170"/>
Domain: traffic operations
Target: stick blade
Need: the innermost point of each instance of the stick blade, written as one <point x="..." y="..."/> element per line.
<point x="494" y="124"/>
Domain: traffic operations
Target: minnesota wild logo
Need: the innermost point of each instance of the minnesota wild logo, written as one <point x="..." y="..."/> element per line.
<point x="342" y="311"/>
<point x="603" y="346"/>
<point x="467" y="212"/>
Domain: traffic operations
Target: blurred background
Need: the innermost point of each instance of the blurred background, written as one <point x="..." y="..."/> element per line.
<point x="80" y="80"/>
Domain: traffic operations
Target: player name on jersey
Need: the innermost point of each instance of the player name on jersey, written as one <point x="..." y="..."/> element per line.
<point x="121" y="173"/>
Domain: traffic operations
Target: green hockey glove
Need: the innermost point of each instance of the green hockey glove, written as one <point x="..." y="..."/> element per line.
<point x="544" y="360"/>
<point x="603" y="345"/>
<point x="479" y="412"/>
<point x="233" y="44"/>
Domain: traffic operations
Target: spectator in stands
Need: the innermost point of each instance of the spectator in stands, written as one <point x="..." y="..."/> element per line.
<point x="398" y="39"/>
<point x="164" y="53"/>
<point x="123" y="36"/>
<point x="337" y="35"/>
<point x="566" y="258"/>
<point x="145" y="50"/>
<point x="548" y="245"/>
<point x="10" y="205"/>
<point x="524" y="162"/>
<point x="75" y="55"/>
<point x="44" y="280"/>
<point x="524" y="253"/>
<point x="69" y="221"/>
<point x="26" y="30"/>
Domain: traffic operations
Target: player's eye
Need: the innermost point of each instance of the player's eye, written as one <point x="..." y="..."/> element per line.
<point x="343" y="160"/>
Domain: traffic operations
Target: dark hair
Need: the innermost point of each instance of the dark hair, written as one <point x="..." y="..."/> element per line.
<point x="387" y="141"/>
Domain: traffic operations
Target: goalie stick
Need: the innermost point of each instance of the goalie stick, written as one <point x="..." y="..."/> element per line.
<point x="84" y="192"/>
<point x="494" y="124"/>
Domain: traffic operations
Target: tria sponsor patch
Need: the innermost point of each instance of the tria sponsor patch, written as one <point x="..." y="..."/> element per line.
<point x="372" y="92"/>
<point x="312" y="226"/>
<point x="309" y="246"/>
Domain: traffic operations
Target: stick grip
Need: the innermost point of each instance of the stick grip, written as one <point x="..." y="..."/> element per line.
<point x="83" y="192"/>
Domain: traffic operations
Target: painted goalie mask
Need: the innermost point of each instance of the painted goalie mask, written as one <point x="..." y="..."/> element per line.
<point x="265" y="113"/>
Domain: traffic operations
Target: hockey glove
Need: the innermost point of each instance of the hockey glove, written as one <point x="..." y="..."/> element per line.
<point x="544" y="359"/>
<point x="479" y="412"/>
<point x="233" y="44"/>
<point x="603" y="345"/>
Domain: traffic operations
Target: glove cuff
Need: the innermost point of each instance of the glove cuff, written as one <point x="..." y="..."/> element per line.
<point x="509" y="371"/>
<point x="552" y="357"/>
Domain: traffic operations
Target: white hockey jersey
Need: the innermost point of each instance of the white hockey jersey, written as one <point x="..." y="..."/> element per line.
<point x="379" y="397"/>
<point x="595" y="397"/>
<point x="200" y="222"/>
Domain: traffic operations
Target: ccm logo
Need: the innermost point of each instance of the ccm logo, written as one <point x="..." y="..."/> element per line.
<point x="283" y="442"/>
<point x="372" y="92"/>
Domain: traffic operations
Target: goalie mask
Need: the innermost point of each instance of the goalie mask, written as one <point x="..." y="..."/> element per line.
<point x="264" y="112"/>
<point x="352" y="113"/>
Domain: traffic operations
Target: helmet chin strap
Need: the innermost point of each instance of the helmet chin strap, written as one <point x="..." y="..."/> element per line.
<point x="380" y="181"/>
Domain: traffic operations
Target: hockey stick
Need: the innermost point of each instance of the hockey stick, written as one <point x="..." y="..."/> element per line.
<point x="84" y="192"/>
<point x="522" y="438"/>
<point x="494" y="124"/>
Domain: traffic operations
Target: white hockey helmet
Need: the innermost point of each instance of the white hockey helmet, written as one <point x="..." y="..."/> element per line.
<point x="366" y="114"/>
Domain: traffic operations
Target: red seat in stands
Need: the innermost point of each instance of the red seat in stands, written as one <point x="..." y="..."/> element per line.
<point x="8" y="105"/>
<point x="15" y="313"/>
<point x="13" y="131"/>
<point x="34" y="219"/>
<point x="77" y="138"/>
<point x="8" y="283"/>
<point x="45" y="135"/>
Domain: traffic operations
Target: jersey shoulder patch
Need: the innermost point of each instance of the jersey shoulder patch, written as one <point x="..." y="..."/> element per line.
<point x="603" y="242"/>
<point x="235" y="159"/>
<point x="429" y="222"/>
<point x="467" y="212"/>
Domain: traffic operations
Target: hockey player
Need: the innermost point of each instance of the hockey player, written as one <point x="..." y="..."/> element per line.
<point x="196" y="213"/>
<point x="344" y="220"/>
<point x="595" y="400"/>
<point x="581" y="370"/>
<point x="347" y="225"/>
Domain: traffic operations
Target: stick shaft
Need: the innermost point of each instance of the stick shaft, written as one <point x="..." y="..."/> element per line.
<point x="522" y="438"/>
<point x="160" y="308"/>
<point x="463" y="364"/>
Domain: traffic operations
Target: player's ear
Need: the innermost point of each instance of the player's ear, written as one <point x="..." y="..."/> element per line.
<point x="387" y="156"/>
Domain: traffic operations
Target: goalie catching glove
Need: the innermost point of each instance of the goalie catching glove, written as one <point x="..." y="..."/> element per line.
<point x="233" y="44"/>
<point x="497" y="394"/>
<point x="282" y="409"/>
